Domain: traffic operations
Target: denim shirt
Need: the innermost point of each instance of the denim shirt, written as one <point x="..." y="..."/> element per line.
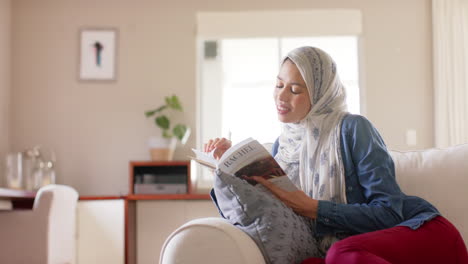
<point x="374" y="198"/>
<point x="375" y="201"/>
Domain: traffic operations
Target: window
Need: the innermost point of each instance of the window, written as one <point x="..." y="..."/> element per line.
<point x="237" y="85"/>
<point x="236" y="79"/>
<point x="249" y="70"/>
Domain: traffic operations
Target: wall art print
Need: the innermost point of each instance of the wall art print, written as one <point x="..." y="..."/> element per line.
<point x="98" y="54"/>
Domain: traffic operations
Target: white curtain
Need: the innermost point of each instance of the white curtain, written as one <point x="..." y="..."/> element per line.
<point x="450" y="33"/>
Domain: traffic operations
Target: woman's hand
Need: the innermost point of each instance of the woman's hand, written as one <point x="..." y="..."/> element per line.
<point x="297" y="200"/>
<point x="219" y="145"/>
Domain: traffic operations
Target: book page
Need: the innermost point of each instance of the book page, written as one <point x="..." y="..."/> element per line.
<point x="206" y="159"/>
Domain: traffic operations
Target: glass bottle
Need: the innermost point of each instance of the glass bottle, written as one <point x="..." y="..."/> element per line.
<point x="48" y="177"/>
<point x="31" y="159"/>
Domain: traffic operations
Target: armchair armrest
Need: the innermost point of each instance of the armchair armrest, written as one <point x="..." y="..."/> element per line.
<point x="210" y="240"/>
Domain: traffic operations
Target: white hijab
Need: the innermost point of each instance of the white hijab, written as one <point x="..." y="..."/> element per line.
<point x="314" y="142"/>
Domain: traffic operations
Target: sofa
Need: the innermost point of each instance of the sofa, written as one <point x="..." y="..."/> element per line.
<point x="437" y="175"/>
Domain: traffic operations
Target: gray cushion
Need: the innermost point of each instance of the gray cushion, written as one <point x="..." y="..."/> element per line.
<point x="282" y="235"/>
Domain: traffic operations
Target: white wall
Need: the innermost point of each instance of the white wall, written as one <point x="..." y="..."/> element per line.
<point x="5" y="81"/>
<point x="97" y="128"/>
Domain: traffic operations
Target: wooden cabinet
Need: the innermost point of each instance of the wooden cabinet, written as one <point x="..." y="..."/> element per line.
<point x="132" y="229"/>
<point x="150" y="218"/>
<point x="100" y="231"/>
<point x="162" y="171"/>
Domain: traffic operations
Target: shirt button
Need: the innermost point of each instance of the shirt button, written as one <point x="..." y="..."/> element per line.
<point x="327" y="220"/>
<point x="350" y="188"/>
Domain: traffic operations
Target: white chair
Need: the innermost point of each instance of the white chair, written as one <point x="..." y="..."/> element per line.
<point x="46" y="234"/>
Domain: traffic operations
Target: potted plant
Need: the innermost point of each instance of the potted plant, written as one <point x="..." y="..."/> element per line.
<point x="162" y="148"/>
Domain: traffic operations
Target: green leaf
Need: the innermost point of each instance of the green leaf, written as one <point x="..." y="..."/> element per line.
<point x="152" y="112"/>
<point x="173" y="102"/>
<point x="162" y="122"/>
<point x="179" y="131"/>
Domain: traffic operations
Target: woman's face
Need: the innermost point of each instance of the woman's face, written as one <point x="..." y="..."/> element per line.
<point x="291" y="95"/>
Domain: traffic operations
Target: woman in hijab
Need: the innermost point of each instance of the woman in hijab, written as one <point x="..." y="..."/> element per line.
<point x="346" y="175"/>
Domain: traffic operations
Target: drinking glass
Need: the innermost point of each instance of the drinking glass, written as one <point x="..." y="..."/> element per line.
<point x="14" y="171"/>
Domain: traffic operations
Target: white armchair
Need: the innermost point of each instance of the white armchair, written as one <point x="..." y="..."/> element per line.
<point x="438" y="175"/>
<point x="45" y="234"/>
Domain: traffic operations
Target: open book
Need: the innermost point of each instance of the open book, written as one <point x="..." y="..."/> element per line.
<point x="245" y="159"/>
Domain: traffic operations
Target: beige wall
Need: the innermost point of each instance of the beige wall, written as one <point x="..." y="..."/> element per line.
<point x="5" y="80"/>
<point x="96" y="128"/>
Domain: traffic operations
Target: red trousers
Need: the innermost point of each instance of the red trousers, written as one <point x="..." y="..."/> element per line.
<point x="436" y="241"/>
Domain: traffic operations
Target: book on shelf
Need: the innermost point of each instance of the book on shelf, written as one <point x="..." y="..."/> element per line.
<point x="245" y="159"/>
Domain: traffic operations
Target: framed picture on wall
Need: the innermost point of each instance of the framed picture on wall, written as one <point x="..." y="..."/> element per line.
<point x="98" y="54"/>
